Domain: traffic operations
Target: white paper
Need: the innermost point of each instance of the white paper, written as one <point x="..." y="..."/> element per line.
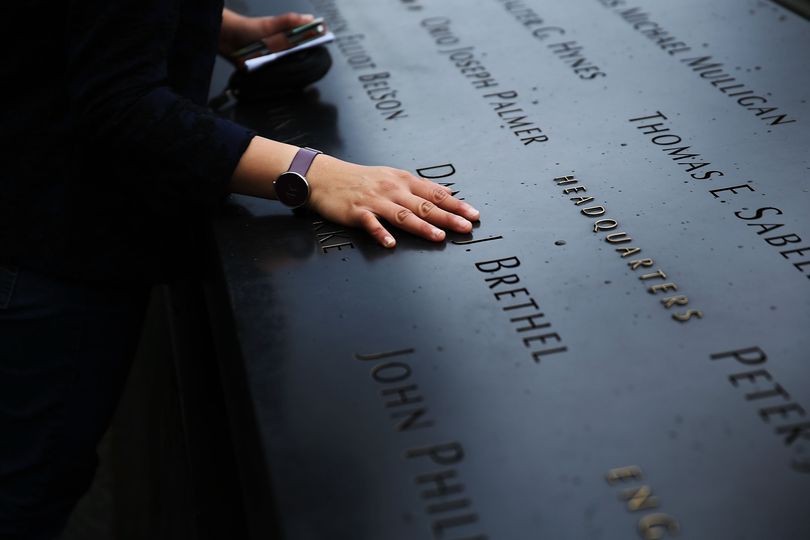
<point x="259" y="61"/>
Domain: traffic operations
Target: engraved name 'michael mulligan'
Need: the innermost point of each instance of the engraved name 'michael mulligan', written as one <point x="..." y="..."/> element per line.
<point x="706" y="67"/>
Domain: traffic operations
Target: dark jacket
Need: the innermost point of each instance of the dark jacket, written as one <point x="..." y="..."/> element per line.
<point x="110" y="158"/>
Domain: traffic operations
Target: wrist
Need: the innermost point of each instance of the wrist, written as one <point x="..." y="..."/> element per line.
<point x="292" y="187"/>
<point x="260" y="165"/>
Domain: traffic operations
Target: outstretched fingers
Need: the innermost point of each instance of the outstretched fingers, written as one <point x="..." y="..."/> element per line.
<point x="369" y="197"/>
<point x="420" y="207"/>
<point x="434" y="214"/>
<point x="372" y="225"/>
<point x="405" y="219"/>
<point x="441" y="197"/>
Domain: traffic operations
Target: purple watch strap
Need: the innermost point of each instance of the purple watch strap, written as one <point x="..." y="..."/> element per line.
<point x="303" y="160"/>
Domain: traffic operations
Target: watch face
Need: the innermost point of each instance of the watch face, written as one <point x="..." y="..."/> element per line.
<point x="292" y="189"/>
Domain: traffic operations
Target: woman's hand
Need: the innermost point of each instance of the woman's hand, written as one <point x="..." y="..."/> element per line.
<point x="359" y="196"/>
<point x="239" y="31"/>
<point x="356" y="195"/>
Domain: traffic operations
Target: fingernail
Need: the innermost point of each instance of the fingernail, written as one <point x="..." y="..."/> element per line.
<point x="438" y="234"/>
<point x="388" y="241"/>
<point x="308" y="16"/>
<point x="463" y="223"/>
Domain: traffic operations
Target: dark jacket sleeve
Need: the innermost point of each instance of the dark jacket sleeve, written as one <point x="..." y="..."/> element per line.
<point x="122" y="95"/>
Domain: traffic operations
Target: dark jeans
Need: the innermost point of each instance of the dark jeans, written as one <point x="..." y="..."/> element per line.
<point x="65" y="350"/>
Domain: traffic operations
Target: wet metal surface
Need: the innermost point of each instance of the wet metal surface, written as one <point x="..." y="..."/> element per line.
<point x="626" y="366"/>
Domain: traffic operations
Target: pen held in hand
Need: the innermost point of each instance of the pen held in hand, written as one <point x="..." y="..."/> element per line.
<point x="301" y="37"/>
<point x="259" y="60"/>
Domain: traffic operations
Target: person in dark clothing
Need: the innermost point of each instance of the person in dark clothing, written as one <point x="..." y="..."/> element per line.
<point x="110" y="159"/>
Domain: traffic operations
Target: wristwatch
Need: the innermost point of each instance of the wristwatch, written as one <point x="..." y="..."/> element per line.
<point x="292" y="188"/>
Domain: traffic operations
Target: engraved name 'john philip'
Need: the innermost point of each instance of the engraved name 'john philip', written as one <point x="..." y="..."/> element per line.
<point x="448" y="505"/>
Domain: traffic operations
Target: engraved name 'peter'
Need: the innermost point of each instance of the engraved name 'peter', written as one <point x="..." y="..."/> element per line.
<point x="775" y="405"/>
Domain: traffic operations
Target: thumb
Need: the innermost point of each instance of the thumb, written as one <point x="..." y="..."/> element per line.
<point x="280" y="23"/>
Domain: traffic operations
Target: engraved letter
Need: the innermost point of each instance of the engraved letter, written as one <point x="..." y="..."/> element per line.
<point x="623" y="473"/>
<point x="593" y="211"/>
<point x="403" y="394"/>
<point x="732" y="189"/>
<point x="562" y="180"/>
<point x="401" y="371"/>
<point x="627" y="251"/>
<point x="530" y="319"/>
<point x="640" y="262"/>
<point x="639" y="498"/>
<point x="662" y="287"/>
<point x="410" y="418"/>
<point x="653" y="526"/>
<point x="750" y="356"/>
<point x="749" y="375"/>
<point x="679" y="299"/>
<point x="380" y="356"/>
<point x="688" y="314"/>
<point x="509" y="262"/>
<point x="783" y="240"/>
<point x="442" y="488"/>
<point x="795" y="431"/>
<point x="758" y="213"/>
<point x="618" y="238"/>
<point x="605" y="225"/>
<point x="437" y="171"/>
<point x="574" y="189"/>
<point x="657" y="274"/>
<point x="581" y="200"/>
<point x="783" y="410"/>
<point x="777" y="390"/>
<point x="658" y="114"/>
<point x="510" y="279"/>
<point x="441" y="454"/>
